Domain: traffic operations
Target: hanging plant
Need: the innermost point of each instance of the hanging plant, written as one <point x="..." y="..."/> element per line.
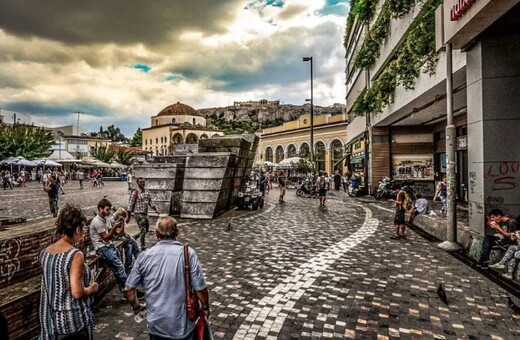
<point x="381" y="29"/>
<point x="400" y="8"/>
<point x="367" y="55"/>
<point x="364" y="9"/>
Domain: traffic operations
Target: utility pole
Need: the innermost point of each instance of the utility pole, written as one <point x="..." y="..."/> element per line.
<point x="78" y="112"/>
<point x="312" y="114"/>
<point x="451" y="138"/>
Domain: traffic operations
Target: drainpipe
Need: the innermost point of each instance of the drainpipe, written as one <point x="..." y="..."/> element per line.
<point x="451" y="137"/>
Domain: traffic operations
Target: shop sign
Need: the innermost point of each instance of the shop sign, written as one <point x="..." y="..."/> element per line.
<point x="460" y="8"/>
<point x="462" y="142"/>
<point x="358" y="146"/>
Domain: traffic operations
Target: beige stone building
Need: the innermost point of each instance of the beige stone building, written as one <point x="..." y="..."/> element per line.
<point x="177" y="124"/>
<point x="293" y="138"/>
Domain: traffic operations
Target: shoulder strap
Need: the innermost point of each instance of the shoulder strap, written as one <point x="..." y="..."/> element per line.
<point x="187" y="278"/>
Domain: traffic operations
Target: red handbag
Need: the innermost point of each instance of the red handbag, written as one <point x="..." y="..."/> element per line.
<point x="192" y="302"/>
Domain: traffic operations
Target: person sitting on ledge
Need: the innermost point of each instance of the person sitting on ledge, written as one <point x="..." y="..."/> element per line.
<point x="499" y="229"/>
<point x="511" y="258"/>
<point x="129" y="243"/>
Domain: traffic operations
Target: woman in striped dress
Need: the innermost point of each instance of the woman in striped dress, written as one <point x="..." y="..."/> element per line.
<point x="65" y="311"/>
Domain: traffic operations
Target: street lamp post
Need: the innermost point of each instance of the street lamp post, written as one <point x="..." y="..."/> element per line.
<point x="312" y="114"/>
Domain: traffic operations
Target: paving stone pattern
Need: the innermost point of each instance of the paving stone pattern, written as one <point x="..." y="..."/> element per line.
<point x="295" y="271"/>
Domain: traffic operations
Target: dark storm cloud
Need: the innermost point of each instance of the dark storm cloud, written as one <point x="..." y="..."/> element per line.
<point x="55" y="110"/>
<point x="119" y="21"/>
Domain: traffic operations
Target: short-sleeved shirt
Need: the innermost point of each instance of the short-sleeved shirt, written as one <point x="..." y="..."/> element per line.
<point x="55" y="189"/>
<point x="421" y="205"/>
<point x="97" y="226"/>
<point x="160" y="270"/>
<point x="129" y="178"/>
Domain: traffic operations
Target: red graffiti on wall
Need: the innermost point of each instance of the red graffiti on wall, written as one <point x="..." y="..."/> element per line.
<point x="504" y="175"/>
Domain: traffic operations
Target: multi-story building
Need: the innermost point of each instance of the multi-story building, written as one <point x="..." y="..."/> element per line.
<point x="396" y="96"/>
<point x="293" y="139"/>
<point x="176" y="125"/>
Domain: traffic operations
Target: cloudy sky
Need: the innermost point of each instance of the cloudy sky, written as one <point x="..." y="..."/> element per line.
<point x="122" y="61"/>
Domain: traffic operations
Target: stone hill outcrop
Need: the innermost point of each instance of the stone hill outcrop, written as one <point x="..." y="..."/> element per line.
<point x="267" y="111"/>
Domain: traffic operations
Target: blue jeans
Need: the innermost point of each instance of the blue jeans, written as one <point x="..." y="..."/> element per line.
<point x="111" y="256"/>
<point x="131" y="249"/>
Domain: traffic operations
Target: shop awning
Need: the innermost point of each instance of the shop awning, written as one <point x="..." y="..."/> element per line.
<point x="357" y="159"/>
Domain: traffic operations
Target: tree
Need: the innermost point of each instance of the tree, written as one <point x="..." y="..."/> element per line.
<point x="125" y="157"/>
<point x="304" y="164"/>
<point x="104" y="153"/>
<point x="25" y="140"/>
<point x="137" y="139"/>
<point x="113" y="133"/>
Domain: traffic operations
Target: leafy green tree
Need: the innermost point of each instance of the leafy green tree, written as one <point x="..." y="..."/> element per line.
<point x="25" y="140"/>
<point x="104" y="153"/>
<point x="113" y="133"/>
<point x="125" y="156"/>
<point x="304" y="164"/>
<point x="137" y="139"/>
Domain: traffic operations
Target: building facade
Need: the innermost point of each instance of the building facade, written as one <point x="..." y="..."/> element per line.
<point x="487" y="33"/>
<point x="176" y="125"/>
<point x="292" y="139"/>
<point x="405" y="137"/>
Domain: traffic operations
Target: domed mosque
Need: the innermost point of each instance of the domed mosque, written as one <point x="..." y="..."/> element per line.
<point x="174" y="128"/>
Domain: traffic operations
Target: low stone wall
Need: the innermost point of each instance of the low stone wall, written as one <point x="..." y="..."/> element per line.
<point x="20" y="275"/>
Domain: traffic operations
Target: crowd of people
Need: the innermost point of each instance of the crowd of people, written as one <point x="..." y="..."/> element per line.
<point x="68" y="284"/>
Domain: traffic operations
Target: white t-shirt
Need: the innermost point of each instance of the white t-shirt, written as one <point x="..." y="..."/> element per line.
<point x="129" y="178"/>
<point x="97" y="226"/>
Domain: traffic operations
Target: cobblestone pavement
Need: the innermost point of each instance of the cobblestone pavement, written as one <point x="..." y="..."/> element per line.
<point x="32" y="202"/>
<point x="294" y="271"/>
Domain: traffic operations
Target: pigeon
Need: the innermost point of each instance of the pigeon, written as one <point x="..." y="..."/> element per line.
<point x="442" y="294"/>
<point x="228" y="228"/>
<point x="514" y="307"/>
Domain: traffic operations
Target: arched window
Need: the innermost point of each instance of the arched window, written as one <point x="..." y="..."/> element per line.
<point x="173" y="120"/>
<point x="319" y="155"/>
<point x="177" y="138"/>
<point x="269" y="154"/>
<point x="305" y="150"/>
<point x="336" y="149"/>
<point x="194" y="121"/>
<point x="279" y="154"/>
<point x="291" y="151"/>
<point x="156" y="140"/>
<point x="191" y="138"/>
<point x="203" y="136"/>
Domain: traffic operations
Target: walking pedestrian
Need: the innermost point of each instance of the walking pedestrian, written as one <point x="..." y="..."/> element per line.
<point x="81" y="177"/>
<point x="129" y="180"/>
<point x="140" y="201"/>
<point x="52" y="190"/>
<point x="66" y="286"/>
<point x="160" y="271"/>
<point x="282" y="184"/>
<point x="322" y="185"/>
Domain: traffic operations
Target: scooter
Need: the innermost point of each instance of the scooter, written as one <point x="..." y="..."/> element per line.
<point x="384" y="189"/>
<point x="304" y="190"/>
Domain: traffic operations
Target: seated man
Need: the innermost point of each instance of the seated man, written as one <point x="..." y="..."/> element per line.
<point x="129" y="243"/>
<point x="102" y="233"/>
<point x="420" y="208"/>
<point x="499" y="229"/>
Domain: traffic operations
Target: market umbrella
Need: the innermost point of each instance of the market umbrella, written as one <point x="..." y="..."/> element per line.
<point x="289" y="162"/>
<point x="117" y="165"/>
<point x="20" y="161"/>
<point x="47" y="162"/>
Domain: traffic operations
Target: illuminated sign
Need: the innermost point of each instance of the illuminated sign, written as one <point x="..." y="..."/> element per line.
<point x="460" y="8"/>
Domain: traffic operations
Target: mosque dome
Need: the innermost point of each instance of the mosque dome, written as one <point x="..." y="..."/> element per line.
<point x="178" y="109"/>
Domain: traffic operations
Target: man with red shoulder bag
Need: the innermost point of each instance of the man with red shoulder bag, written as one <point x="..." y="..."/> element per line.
<point x="160" y="271"/>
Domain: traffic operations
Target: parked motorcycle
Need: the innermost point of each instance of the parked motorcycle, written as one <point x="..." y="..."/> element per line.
<point x="304" y="190"/>
<point x="384" y="189"/>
